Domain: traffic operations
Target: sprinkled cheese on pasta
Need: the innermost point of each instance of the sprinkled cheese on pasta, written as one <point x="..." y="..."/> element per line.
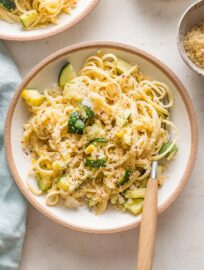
<point x="93" y="140"/>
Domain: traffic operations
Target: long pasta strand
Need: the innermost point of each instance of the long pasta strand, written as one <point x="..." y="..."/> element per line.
<point x="48" y="11"/>
<point x="57" y="153"/>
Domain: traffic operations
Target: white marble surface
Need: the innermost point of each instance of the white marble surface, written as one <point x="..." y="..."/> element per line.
<point x="150" y="25"/>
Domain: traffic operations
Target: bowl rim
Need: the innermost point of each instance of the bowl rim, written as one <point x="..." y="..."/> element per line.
<point x="121" y="47"/>
<point x="181" y="49"/>
<point x="53" y="32"/>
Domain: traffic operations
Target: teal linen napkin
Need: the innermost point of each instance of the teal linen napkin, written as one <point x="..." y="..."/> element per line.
<point x="12" y="203"/>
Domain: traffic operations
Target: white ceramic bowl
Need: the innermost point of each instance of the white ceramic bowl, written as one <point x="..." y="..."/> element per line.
<point x="15" y="31"/>
<point x="45" y="75"/>
<point x="191" y="17"/>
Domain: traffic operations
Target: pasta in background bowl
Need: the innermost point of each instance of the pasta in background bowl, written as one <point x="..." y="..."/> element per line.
<point x="92" y="158"/>
<point x="34" y="14"/>
<point x="36" y="19"/>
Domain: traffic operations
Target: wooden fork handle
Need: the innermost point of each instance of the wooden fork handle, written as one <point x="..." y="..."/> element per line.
<point x="148" y="227"/>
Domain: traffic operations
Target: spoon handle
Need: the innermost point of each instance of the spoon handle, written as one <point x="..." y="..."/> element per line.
<point x="148" y="227"/>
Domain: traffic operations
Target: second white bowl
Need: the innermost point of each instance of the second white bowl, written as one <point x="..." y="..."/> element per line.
<point x="194" y="15"/>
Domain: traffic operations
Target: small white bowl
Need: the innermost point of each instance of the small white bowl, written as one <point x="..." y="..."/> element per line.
<point x="191" y="17"/>
<point x="44" y="75"/>
<point x="16" y="32"/>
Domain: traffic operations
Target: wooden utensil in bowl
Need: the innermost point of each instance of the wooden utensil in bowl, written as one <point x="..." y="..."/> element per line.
<point x="149" y="223"/>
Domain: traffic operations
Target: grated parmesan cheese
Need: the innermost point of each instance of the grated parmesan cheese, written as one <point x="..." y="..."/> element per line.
<point x="194" y="45"/>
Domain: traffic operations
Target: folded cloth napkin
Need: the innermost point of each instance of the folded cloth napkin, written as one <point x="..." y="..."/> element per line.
<point x="12" y="203"/>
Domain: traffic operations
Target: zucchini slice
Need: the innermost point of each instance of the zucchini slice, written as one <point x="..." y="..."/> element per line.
<point x="44" y="184"/>
<point x="63" y="183"/>
<point x="135" y="207"/>
<point x="122" y="66"/>
<point x="32" y="97"/>
<point x="91" y="203"/>
<point x="98" y="140"/>
<point x="66" y="74"/>
<point x="137" y="193"/>
<point x="28" y="18"/>
<point x="8" y="4"/>
<point x="171" y="152"/>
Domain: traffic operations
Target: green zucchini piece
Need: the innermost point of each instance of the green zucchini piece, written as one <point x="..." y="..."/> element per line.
<point x="28" y="18"/>
<point x="44" y="184"/>
<point x="63" y="183"/>
<point x="75" y="124"/>
<point x="91" y="203"/>
<point x="8" y="4"/>
<point x="98" y="163"/>
<point x="171" y="153"/>
<point x="98" y="140"/>
<point x="137" y="193"/>
<point x="66" y="74"/>
<point x="144" y="182"/>
<point x="122" y="66"/>
<point x="114" y="199"/>
<point x="125" y="178"/>
<point x="32" y="97"/>
<point x="135" y="207"/>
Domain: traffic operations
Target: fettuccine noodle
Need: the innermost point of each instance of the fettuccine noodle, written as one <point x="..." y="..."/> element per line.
<point x="131" y="124"/>
<point x="47" y="11"/>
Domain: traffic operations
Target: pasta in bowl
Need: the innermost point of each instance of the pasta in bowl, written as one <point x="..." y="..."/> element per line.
<point x="33" y="14"/>
<point x="36" y="19"/>
<point x="93" y="130"/>
<point x="94" y="136"/>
